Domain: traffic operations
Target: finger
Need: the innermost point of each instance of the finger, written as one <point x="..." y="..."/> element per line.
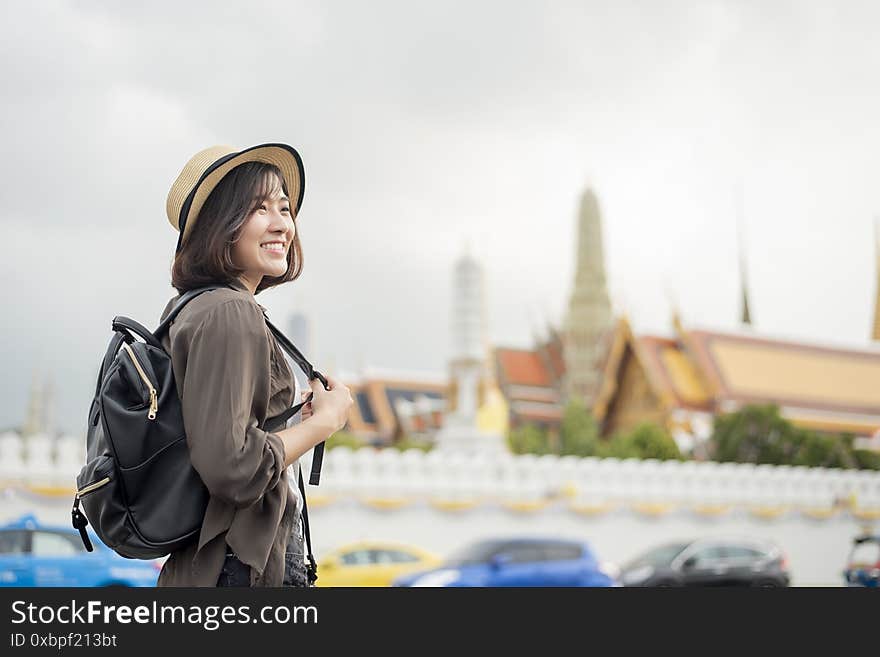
<point x="332" y="383"/>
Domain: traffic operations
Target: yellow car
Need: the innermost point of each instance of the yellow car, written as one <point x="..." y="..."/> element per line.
<point x="371" y="563"/>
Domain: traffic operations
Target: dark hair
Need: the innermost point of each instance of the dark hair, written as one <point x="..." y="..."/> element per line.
<point x="205" y="257"/>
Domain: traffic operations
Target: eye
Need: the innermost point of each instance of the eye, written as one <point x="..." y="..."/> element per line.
<point x="285" y="209"/>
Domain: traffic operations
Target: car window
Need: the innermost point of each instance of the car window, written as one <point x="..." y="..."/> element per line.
<point x="708" y="555"/>
<point x="743" y="552"/>
<point x="399" y="556"/>
<point x="13" y="541"/>
<point x="382" y="556"/>
<point x="53" y="544"/>
<point x="659" y="556"/>
<point x="357" y="558"/>
<point x="562" y="552"/>
<point x="525" y="553"/>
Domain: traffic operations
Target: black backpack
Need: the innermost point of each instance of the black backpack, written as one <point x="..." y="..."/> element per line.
<point x="138" y="487"/>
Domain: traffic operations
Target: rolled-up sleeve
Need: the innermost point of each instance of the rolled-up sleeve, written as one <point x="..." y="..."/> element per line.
<point x="227" y="379"/>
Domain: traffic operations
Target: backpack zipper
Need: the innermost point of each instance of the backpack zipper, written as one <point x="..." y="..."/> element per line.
<point x="154" y="404"/>
<point x="88" y="489"/>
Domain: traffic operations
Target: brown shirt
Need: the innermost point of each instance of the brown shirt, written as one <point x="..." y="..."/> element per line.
<point x="231" y="376"/>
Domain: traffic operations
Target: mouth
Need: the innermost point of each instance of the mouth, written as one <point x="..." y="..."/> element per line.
<point x="276" y="248"/>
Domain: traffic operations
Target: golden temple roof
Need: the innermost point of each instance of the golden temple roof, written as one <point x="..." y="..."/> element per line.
<point x="817" y="386"/>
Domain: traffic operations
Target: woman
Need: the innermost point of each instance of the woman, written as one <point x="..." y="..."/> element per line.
<point x="236" y="214"/>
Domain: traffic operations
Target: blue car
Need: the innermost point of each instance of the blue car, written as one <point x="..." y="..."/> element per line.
<point x="516" y="562"/>
<point x="33" y="554"/>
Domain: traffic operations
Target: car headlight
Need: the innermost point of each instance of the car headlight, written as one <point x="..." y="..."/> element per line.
<point x="438" y="578"/>
<point x="637" y="575"/>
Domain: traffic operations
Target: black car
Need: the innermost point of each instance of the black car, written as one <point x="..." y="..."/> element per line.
<point x="709" y="562"/>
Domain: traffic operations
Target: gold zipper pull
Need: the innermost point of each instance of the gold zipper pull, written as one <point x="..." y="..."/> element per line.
<point x="93" y="486"/>
<point x="154" y="404"/>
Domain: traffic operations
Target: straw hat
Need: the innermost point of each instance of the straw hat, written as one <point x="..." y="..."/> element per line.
<point x="206" y="168"/>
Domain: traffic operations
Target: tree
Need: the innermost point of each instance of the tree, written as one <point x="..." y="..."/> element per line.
<point x="866" y="459"/>
<point x="406" y="442"/>
<point x="645" y="441"/>
<point x="529" y="439"/>
<point x="759" y="434"/>
<point x="578" y="434"/>
<point x="343" y="439"/>
<point x="824" y="451"/>
<point x="754" y="434"/>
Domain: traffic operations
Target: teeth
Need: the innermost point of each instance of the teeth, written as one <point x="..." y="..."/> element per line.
<point x="274" y="246"/>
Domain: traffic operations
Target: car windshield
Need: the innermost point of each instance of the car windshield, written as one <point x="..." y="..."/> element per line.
<point x="475" y="553"/>
<point x="659" y="556"/>
<point x="865" y="553"/>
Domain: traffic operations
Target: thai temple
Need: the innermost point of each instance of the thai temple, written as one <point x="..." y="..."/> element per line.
<point x="679" y="381"/>
<point x="682" y="381"/>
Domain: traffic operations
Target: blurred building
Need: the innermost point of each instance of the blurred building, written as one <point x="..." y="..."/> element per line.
<point x="682" y="382"/>
<point x="39" y="421"/>
<point x="532" y="381"/>
<point x="472" y="381"/>
<point x="461" y="411"/>
<point x="298" y="332"/>
<point x="389" y="406"/>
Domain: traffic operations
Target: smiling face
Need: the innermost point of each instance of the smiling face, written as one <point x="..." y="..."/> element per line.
<point x="265" y="238"/>
<point x="243" y="215"/>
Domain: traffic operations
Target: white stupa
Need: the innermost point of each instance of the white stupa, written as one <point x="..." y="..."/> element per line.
<point x="470" y="368"/>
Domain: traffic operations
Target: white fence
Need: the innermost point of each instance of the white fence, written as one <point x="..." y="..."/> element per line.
<point x="527" y="479"/>
<point x="442" y="477"/>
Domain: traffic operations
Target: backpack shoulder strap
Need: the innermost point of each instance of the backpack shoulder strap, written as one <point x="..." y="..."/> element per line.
<point x="311" y="373"/>
<point x="184" y="299"/>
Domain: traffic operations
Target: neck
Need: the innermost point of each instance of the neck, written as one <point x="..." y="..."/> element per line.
<point x="249" y="284"/>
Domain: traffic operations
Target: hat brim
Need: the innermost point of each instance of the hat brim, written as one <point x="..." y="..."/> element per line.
<point x="282" y="156"/>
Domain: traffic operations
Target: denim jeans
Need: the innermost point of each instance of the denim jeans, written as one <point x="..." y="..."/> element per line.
<point x="236" y="573"/>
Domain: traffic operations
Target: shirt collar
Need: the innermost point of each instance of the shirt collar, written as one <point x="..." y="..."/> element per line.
<point x="238" y="285"/>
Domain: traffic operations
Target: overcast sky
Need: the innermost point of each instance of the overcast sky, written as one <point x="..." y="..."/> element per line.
<point x="423" y="125"/>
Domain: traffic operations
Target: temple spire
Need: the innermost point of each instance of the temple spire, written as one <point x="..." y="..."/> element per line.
<point x="746" y="314"/>
<point x="589" y="308"/>
<point x="746" y="317"/>
<point x="675" y="316"/>
<point x="33" y="422"/>
<point x="875" y="333"/>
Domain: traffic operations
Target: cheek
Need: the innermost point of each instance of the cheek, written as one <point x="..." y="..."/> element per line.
<point x="239" y="253"/>
<point x="247" y="248"/>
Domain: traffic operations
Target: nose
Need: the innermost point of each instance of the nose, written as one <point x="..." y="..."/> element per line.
<point x="281" y="222"/>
